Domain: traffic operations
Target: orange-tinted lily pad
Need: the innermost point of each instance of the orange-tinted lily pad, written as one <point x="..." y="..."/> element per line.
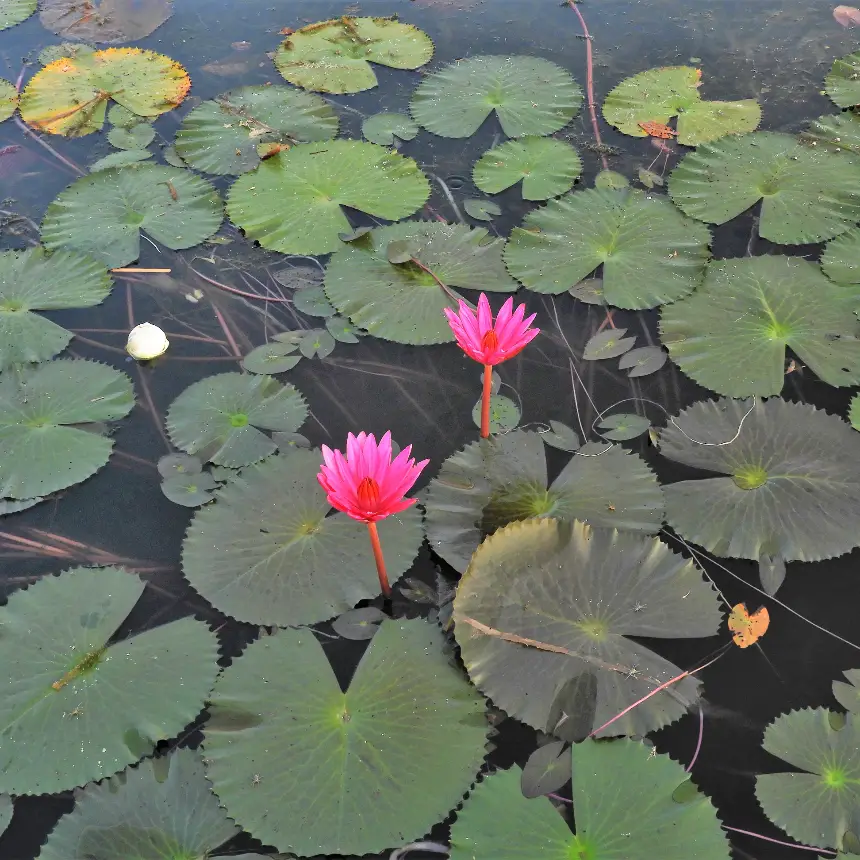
<point x="746" y="628"/>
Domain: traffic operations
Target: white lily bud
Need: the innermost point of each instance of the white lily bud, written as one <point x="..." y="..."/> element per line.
<point x="146" y="341"/>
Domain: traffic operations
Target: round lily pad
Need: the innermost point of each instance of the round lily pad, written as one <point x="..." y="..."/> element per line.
<point x="282" y="730"/>
<point x="383" y="128"/>
<point x="77" y="709"/>
<point x="505" y="414"/>
<point x="105" y="21"/>
<point x="611" y="180"/>
<point x="269" y="551"/>
<point x="839" y="133"/>
<point x="190" y="491"/>
<point x="651" y="254"/>
<point x="33" y="280"/>
<point x="138" y="136"/>
<point x="120" y="159"/>
<point x="547" y="167"/>
<point x="39" y="452"/>
<point x="841" y="258"/>
<point x="544" y="602"/>
<point x="274" y="357"/>
<point x="292" y="202"/>
<point x="335" y="56"/>
<point x="842" y="84"/>
<point x="8" y="99"/>
<point x="530" y="95"/>
<point x="402" y="302"/>
<point x="491" y="483"/>
<point x="222" y="417"/>
<point x="848" y="695"/>
<point x="807" y="194"/>
<point x="731" y="335"/>
<point x="223" y="135"/>
<point x="66" y="49"/>
<point x="15" y="11"/>
<point x="788" y="485"/>
<point x="104" y="214"/>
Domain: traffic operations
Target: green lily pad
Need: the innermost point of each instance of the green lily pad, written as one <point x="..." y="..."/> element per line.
<point x="656" y="95"/>
<point x="481" y="210"/>
<point x="842" y="84"/>
<point x="222" y="417"/>
<point x="383" y="128"/>
<point x="848" y="695"/>
<point x="6" y="811"/>
<point x="504" y="414"/>
<point x="839" y="133"/>
<point x="39" y="452"/>
<point x="163" y="808"/>
<point x="335" y="56"/>
<point x="68" y="49"/>
<point x="402" y="302"/>
<point x="622" y="803"/>
<point x="292" y="202"/>
<point x="358" y="624"/>
<point x="175" y="465"/>
<point x="576" y="593"/>
<point x="138" y="136"/>
<point x="119" y="116"/>
<point x="807" y="194"/>
<point x="103" y="214"/>
<point x="547" y="770"/>
<point x="530" y="95"/>
<point x="77" y="709"/>
<point x="731" y="335"/>
<point x="562" y="437"/>
<point x="269" y="551"/>
<point x="822" y="803"/>
<point x="651" y="254"/>
<point x="609" y="343"/>
<point x="317" y="343"/>
<point x="312" y="302"/>
<point x="341" y="330"/>
<point x="491" y="483"/>
<point x="33" y="280"/>
<point x="190" y="491"/>
<point x="15" y="11"/>
<point x="643" y="361"/>
<point x="788" y="484"/>
<point x="841" y="258"/>
<point x="120" y="159"/>
<point x="8" y="99"/>
<point x="547" y="167"/>
<point x="623" y="426"/>
<point x="854" y="412"/>
<point x="223" y="135"/>
<point x="611" y="180"/>
<point x="274" y="357"/>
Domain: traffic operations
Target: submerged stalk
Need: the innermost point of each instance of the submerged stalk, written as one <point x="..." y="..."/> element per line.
<point x="485" y="401"/>
<point x="380" y="561"/>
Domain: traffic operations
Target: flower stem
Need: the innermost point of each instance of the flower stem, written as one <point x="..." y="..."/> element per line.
<point x="380" y="561"/>
<point x="485" y="401"/>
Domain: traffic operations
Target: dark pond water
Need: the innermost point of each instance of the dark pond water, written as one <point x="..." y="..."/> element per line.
<point x="776" y="51"/>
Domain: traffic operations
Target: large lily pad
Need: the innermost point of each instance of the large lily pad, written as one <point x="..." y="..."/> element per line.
<point x="42" y="448"/>
<point x="15" y="11"/>
<point x="311" y="769"/>
<point x="650" y="253"/>
<point x="335" y="56"/>
<point x="222" y="417"/>
<point x="841" y="259"/>
<point x="269" y="550"/>
<point x="732" y="333"/>
<point x="70" y="95"/>
<point x="656" y="95"/>
<point x="622" y="803"/>
<point x="529" y="95"/>
<point x="103" y="214"/>
<point x="224" y="135"/>
<point x="402" y="302"/>
<point x="807" y="193"/>
<point x="292" y="202"/>
<point x="32" y="280"/>
<point x="491" y="483"/>
<point x="788" y="481"/>
<point x="105" y="21"/>
<point x="75" y="708"/>
<point x="8" y="99"/>
<point x="545" y="603"/>
<point x="837" y="133"/>
<point x="842" y="84"/>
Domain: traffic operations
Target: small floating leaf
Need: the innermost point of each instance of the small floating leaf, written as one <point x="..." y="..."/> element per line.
<point x="562" y="437"/>
<point x="173" y="465"/>
<point x="358" y="624"/>
<point x="317" y="344"/>
<point x="771" y="572"/>
<point x="609" y="343"/>
<point x="481" y="210"/>
<point x="383" y="128"/>
<point x="746" y="628"/>
<point x="138" y="136"/>
<point x="190" y="491"/>
<point x="504" y="414"/>
<point x="686" y="792"/>
<point x="623" y="426"/>
<point x="643" y="361"/>
<point x="611" y="180"/>
<point x="547" y="769"/>
<point x="312" y="302"/>
<point x="842" y="84"/>
<point x="274" y="357"/>
<point x="341" y="330"/>
<point x="400" y="251"/>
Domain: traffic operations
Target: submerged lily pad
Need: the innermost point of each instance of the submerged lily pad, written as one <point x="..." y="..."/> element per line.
<point x="651" y="254"/>
<point x="544" y="602"/>
<point x="292" y="202"/>
<point x="402" y="302"/>
<point x="33" y="280"/>
<point x="383" y="128"/>
<point x="104" y="21"/>
<point x="8" y="99"/>
<point x="842" y="84"/>
<point x="807" y="194"/>
<point x="15" y="11"/>
<point x="491" y="483"/>
<point x="269" y="551"/>
<point x="77" y="709"/>
<point x="788" y="485"/>
<point x="731" y="335"/>
<point x="530" y="95"/>
<point x="335" y="56"/>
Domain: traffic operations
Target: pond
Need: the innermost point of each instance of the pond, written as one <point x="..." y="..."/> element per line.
<point x="196" y="656"/>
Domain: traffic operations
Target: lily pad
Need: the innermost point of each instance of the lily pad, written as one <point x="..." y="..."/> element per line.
<point x="611" y="180"/>
<point x="70" y="95"/>
<point x="854" y="412"/>
<point x="504" y="414"/>
<point x="839" y="133"/>
<point x="623" y="426"/>
<point x="138" y="136"/>
<point x="562" y="437"/>
<point x="78" y="709"/>
<point x="33" y="280"/>
<point x="105" y="21"/>
<point x="269" y="551"/>
<point x="190" y="491"/>
<point x="8" y="99"/>
<point x="643" y="361"/>
<point x="807" y="194"/>
<point x="335" y="56"/>
<point x="15" y="11"/>
<point x="120" y="159"/>
<point x="731" y="335"/>
<point x="491" y="483"/>
<point x="650" y="253"/>
<point x="67" y="49"/>
<point x="656" y="95"/>
<point x="547" y="167"/>
<point x="312" y="302"/>
<point x="842" y="84"/>
<point x="788" y="481"/>
<point x="848" y="695"/>
<point x="317" y="344"/>
<point x="841" y="258"/>
<point x="547" y="770"/>
<point x="402" y="302"/>
<point x="481" y="210"/>
<point x="42" y="448"/>
<point x="544" y="601"/>
<point x="222" y="417"/>
<point x="358" y="624"/>
<point x="119" y="116"/>
<point x="607" y="344"/>
<point x="383" y="128"/>
<point x="223" y="135"/>
<point x="292" y="202"/>
<point x="104" y="214"/>
<point x="530" y="95"/>
<point x="623" y="806"/>
<point x="274" y="357"/>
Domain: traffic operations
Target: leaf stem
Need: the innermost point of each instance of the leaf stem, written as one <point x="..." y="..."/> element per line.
<point x="380" y="561"/>
<point x="485" y="401"/>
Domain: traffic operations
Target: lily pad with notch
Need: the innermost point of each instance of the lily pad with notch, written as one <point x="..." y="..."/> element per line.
<point x="643" y="361"/>
<point x="342" y="330"/>
<point x="386" y="128"/>
<point x="607" y="344"/>
<point x="137" y="136"/>
<point x="562" y="437"/>
<point x="481" y="210"/>
<point x="104" y="21"/>
<point x="546" y="770"/>
<point x="178" y="465"/>
<point x="13" y="12"/>
<point x="842" y="83"/>
<point x="623" y="426"/>
<point x="312" y="302"/>
<point x="848" y="694"/>
<point x="505" y="414"/>
<point x="190" y="491"/>
<point x="274" y="357"/>
<point x="358" y="624"/>
<point x="317" y="343"/>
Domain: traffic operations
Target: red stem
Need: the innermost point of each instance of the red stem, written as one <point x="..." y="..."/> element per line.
<point x="485" y="401"/>
<point x="380" y="561"/>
